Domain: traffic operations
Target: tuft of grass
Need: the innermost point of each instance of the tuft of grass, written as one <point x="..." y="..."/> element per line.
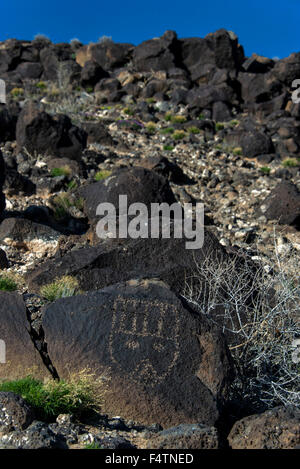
<point x="41" y="85"/>
<point x="291" y="163"/>
<point x="151" y="127"/>
<point x="179" y="135"/>
<point x="128" y="111"/>
<point x="150" y="100"/>
<point x="219" y="126"/>
<point x="16" y="92"/>
<point x="63" y="171"/>
<point x="7" y="283"/>
<point x="79" y="394"/>
<point x="265" y="169"/>
<point x="93" y="445"/>
<point x="100" y="175"/>
<point x="201" y="117"/>
<point x="168" y="117"/>
<point x="237" y="151"/>
<point x="168" y="148"/>
<point x="167" y="130"/>
<point x="193" y="130"/>
<point x="178" y="119"/>
<point x="61" y="288"/>
<point x="233" y="123"/>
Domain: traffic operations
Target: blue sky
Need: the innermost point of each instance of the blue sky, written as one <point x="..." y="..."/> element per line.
<point x="269" y="28"/>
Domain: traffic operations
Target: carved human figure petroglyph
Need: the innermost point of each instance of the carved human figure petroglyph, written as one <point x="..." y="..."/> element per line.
<point x="144" y="339"/>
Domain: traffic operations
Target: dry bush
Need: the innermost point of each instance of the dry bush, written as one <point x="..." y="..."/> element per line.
<point x="257" y="306"/>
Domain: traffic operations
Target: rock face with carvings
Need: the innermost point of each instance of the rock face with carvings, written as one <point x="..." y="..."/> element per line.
<point x="165" y="363"/>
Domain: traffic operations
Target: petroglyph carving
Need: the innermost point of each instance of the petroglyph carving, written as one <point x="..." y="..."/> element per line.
<point x="144" y="339"/>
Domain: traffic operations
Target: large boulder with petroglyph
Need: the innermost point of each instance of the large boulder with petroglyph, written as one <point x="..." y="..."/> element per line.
<point x="18" y="355"/>
<point x="164" y="363"/>
<point x="141" y="185"/>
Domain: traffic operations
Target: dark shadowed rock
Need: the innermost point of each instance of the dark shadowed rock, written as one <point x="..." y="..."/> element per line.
<point x="37" y="436"/>
<point x="92" y="73"/>
<point x="139" y="184"/>
<point x="141" y="337"/>
<point x="256" y="143"/>
<point x="258" y="64"/>
<point x="3" y="260"/>
<point x="283" y="204"/>
<point x="41" y="133"/>
<point x="97" y="133"/>
<point x="16" y="183"/>
<point x="8" y="122"/>
<point x="2" y="179"/>
<point x="278" y="428"/>
<point x="195" y="436"/>
<point x="288" y="69"/>
<point x="21" y="356"/>
<point x="156" y="54"/>
<point x="109" y="55"/>
<point x="15" y="413"/>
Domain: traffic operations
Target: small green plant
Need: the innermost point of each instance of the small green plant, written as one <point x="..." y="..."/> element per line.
<point x="237" y="151"/>
<point x="7" y="283"/>
<point x="265" y="170"/>
<point x="72" y="185"/>
<point x="128" y="111"/>
<point x="61" y="288"/>
<point x="291" y="163"/>
<point x="168" y="117"/>
<point x="168" y="148"/>
<point x="219" y="126"/>
<point x="178" y="135"/>
<point x="79" y="394"/>
<point x="167" y="130"/>
<point x="41" y="85"/>
<point x="89" y="89"/>
<point x="17" y="92"/>
<point x="233" y="123"/>
<point x="93" y="445"/>
<point x="151" y="127"/>
<point x="150" y="100"/>
<point x="178" y="119"/>
<point x="193" y="130"/>
<point x="100" y="175"/>
<point x="201" y="117"/>
<point x="63" y="171"/>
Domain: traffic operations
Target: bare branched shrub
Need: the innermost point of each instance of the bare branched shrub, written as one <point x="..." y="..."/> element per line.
<point x="257" y="306"/>
<point x="105" y="40"/>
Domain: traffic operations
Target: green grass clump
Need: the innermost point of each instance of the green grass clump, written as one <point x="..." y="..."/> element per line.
<point x="178" y="135"/>
<point x="41" y="85"/>
<point x="291" y="163"/>
<point x="150" y="100"/>
<point x="237" y="151"/>
<point x="151" y="127"/>
<point x="61" y="288"/>
<point x="78" y="395"/>
<point x="100" y="175"/>
<point x="219" y="126"/>
<point x="167" y="130"/>
<point x="201" y="117"/>
<point x="193" y="130"/>
<point x="233" y="123"/>
<point x="168" y="117"/>
<point x="64" y="171"/>
<point x="16" y="92"/>
<point x="93" y="446"/>
<point x="178" y="119"/>
<point x="7" y="283"/>
<point x="265" y="170"/>
<point x="128" y="111"/>
<point x="168" y="148"/>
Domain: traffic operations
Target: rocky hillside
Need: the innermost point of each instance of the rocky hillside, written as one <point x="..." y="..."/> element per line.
<point x="198" y="348"/>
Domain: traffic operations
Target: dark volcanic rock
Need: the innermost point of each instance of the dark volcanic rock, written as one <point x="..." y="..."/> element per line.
<point x="15" y="413"/>
<point x="141" y="337"/>
<point x="21" y="356"/>
<point x="2" y="179"/>
<point x="8" y="122"/>
<point x="156" y="54"/>
<point x="278" y="428"/>
<point x="256" y="143"/>
<point x="195" y="436"/>
<point x="97" y="133"/>
<point x="139" y="184"/>
<point x="16" y="183"/>
<point x="37" y="436"/>
<point x="283" y="204"/>
<point x="92" y="73"/>
<point x="57" y="136"/>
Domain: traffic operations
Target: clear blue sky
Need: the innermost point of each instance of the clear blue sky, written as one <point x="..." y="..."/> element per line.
<point x="270" y="28"/>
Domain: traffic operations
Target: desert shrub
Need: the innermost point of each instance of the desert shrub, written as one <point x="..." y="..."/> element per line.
<point x="193" y="130"/>
<point x="167" y="130"/>
<point x="151" y="127"/>
<point x="63" y="202"/>
<point x="80" y="393"/>
<point x="219" y="126"/>
<point x="7" y="283"/>
<point x="291" y="163"/>
<point x="63" y="171"/>
<point x="257" y="307"/>
<point x="60" y="288"/>
<point x="168" y="148"/>
<point x="93" y="445"/>
<point x="100" y="175"/>
<point x="178" y="135"/>
<point x="265" y="169"/>
<point x="17" y="92"/>
<point x="178" y="119"/>
<point x="237" y="151"/>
